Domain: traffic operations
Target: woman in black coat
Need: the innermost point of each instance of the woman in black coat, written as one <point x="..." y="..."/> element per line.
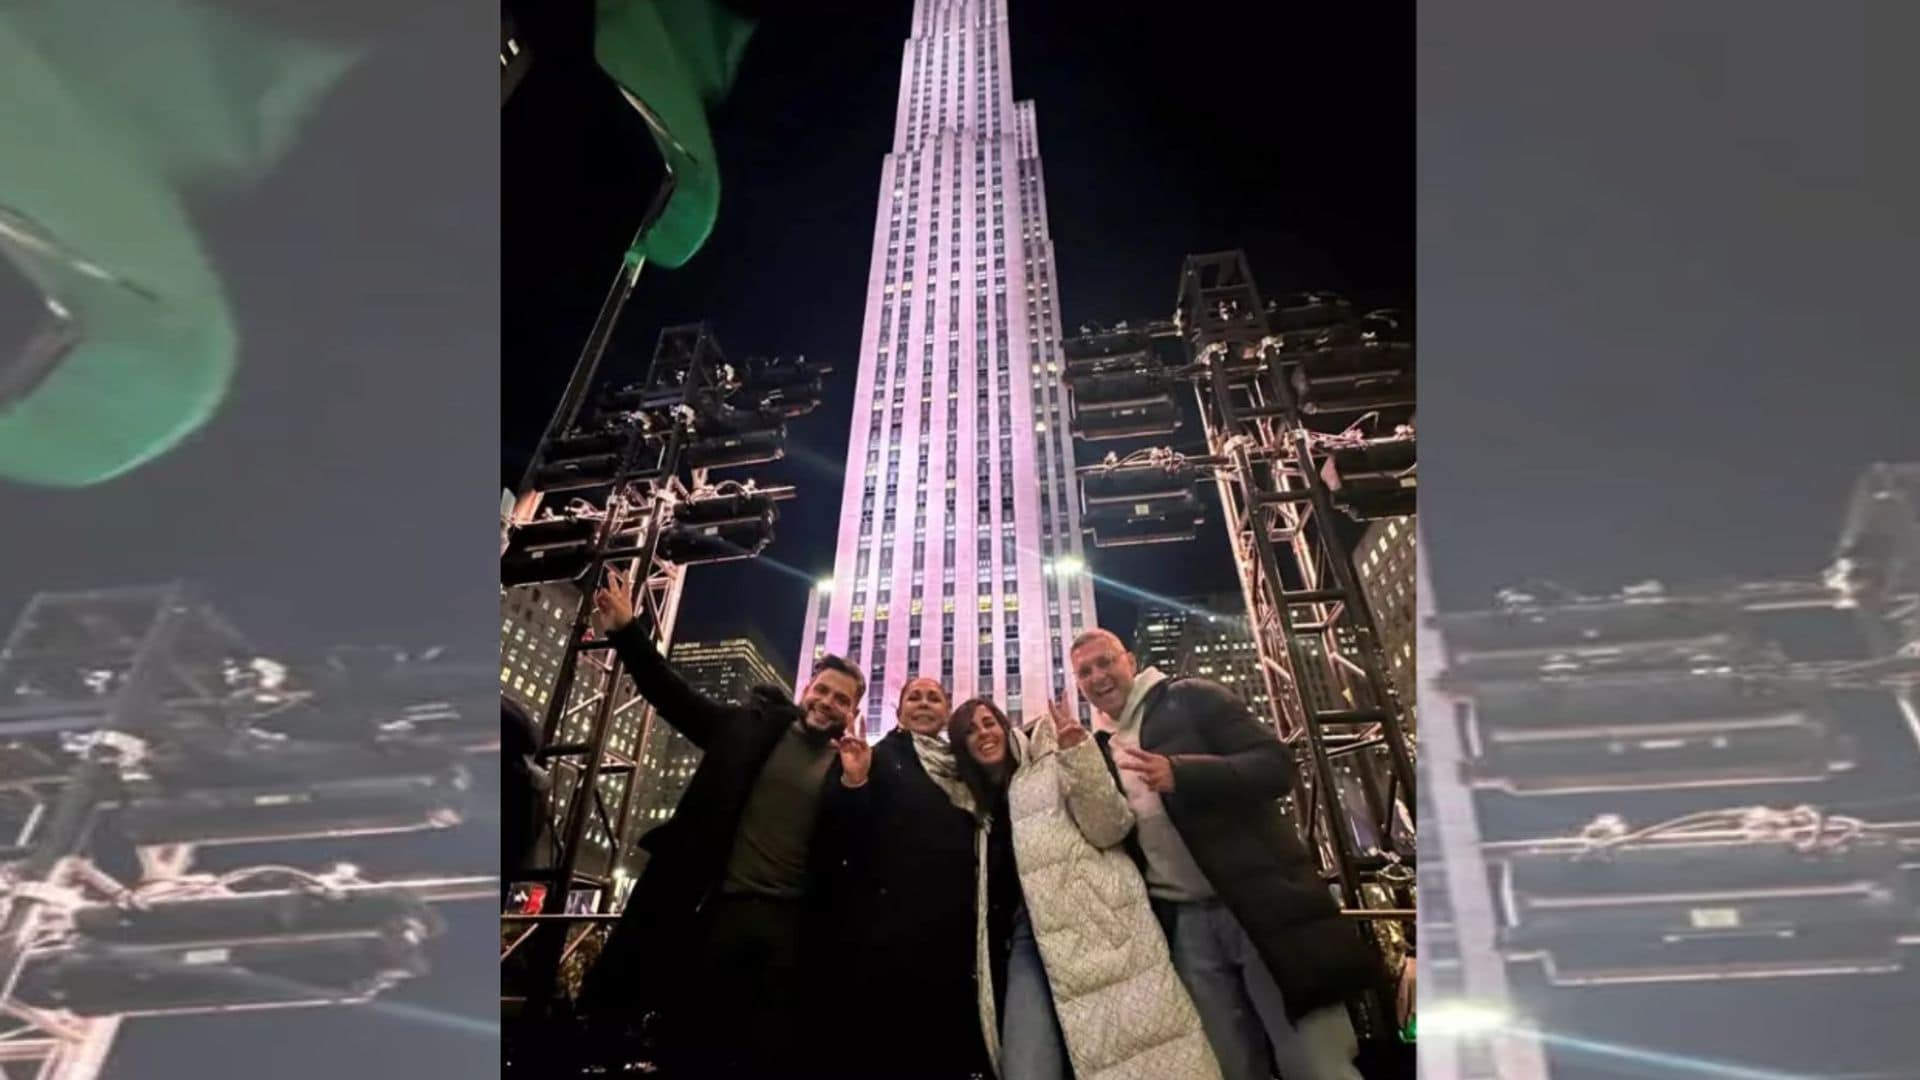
<point x="909" y="923"/>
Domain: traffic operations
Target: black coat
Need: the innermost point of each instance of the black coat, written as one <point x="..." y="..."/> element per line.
<point x="909" y="920"/>
<point x="662" y="927"/>
<point x="1228" y="774"/>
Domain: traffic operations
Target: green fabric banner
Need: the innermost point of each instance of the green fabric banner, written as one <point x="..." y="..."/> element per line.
<point x="678" y="58"/>
<point x="112" y="108"/>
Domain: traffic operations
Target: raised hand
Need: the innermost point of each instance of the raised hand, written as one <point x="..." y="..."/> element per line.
<point x="613" y="603"/>
<point x="1155" y="769"/>
<point x="1067" y="730"/>
<point x="856" y="758"/>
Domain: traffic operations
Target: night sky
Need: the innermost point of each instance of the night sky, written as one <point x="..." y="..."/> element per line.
<point x="1665" y="277"/>
<point x="1287" y="133"/>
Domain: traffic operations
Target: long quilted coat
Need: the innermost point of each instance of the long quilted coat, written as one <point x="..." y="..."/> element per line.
<point x="1123" y="1011"/>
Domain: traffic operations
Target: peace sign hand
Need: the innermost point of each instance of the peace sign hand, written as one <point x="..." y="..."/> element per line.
<point x="856" y="758"/>
<point x="1067" y="730"/>
<point x="613" y="603"/>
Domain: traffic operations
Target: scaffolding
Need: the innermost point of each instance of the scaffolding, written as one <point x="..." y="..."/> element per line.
<point x="637" y="465"/>
<point x="139" y="733"/>
<point x="1307" y="410"/>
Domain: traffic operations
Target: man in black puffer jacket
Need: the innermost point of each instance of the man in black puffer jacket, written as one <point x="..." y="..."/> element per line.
<point x="728" y="939"/>
<point x="1255" y="935"/>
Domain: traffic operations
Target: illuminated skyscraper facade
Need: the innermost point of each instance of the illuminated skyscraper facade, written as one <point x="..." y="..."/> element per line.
<point x="1384" y="561"/>
<point x="959" y="551"/>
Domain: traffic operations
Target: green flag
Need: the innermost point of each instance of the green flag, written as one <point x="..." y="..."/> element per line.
<point x="677" y="59"/>
<point x="112" y="108"/>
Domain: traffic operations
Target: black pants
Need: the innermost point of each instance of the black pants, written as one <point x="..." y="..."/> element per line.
<point x="743" y="1018"/>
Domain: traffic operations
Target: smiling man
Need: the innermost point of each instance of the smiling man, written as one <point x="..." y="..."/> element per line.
<point x="1256" y="937"/>
<point x="728" y="924"/>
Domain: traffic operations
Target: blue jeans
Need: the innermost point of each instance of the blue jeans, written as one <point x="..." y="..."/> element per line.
<point x="1030" y="1044"/>
<point x="1242" y="1010"/>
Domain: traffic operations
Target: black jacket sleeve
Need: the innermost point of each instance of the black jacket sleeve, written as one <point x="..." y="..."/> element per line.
<point x="691" y="713"/>
<point x="1247" y="762"/>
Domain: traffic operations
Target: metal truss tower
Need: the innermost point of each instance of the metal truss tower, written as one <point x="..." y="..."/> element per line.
<point x="142" y="739"/>
<point x="636" y="467"/>
<point x="1308" y="412"/>
<point x="1738" y="722"/>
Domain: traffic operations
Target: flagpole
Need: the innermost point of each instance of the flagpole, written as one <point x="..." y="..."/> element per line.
<point x="588" y="365"/>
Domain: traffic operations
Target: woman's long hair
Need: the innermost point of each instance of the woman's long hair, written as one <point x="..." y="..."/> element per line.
<point x="988" y="783"/>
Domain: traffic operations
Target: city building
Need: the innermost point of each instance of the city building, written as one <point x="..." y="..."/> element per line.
<point x="534" y="623"/>
<point x="1385" y="561"/>
<point x="1157" y="635"/>
<point x="1317" y="686"/>
<point x="1207" y="636"/>
<point x="960" y="553"/>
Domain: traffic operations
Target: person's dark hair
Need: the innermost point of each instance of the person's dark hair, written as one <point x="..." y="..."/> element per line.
<point x="830" y="662"/>
<point x="987" y="784"/>
<point x="920" y="679"/>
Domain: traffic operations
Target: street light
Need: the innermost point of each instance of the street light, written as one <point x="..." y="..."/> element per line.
<point x="824" y="586"/>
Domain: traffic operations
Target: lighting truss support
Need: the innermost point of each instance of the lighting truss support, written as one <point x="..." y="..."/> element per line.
<point x="639" y="480"/>
<point x="112" y="696"/>
<point x="1295" y="569"/>
<point x="1267" y="450"/>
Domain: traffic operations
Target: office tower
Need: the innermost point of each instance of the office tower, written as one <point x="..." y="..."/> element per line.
<point x="1384" y="561"/>
<point x="1315" y="687"/>
<point x="534" y="623"/>
<point x="959" y="551"/>
<point x="1208" y="636"/>
<point x="1157" y="634"/>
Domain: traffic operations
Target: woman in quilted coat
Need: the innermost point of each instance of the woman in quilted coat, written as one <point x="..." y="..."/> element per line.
<point x="1073" y="967"/>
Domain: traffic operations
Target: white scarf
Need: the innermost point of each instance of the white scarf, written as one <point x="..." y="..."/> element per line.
<point x="936" y="757"/>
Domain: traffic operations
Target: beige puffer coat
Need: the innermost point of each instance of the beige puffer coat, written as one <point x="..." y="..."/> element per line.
<point x="1123" y="1011"/>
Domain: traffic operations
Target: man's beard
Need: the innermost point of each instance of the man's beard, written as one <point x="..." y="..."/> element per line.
<point x="833" y="730"/>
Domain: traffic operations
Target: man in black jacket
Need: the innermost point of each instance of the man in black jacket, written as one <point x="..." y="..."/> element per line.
<point x="723" y="939"/>
<point x="1255" y="935"/>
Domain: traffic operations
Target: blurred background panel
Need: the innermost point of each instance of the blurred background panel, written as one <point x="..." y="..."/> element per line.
<point x="287" y="612"/>
<point x="1669" y="533"/>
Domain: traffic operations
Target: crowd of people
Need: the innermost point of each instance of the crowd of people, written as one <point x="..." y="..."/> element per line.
<point x="968" y="898"/>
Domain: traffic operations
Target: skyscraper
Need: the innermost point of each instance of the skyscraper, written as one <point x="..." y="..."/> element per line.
<point x="1206" y="636"/>
<point x="1384" y="562"/>
<point x="1157" y="634"/>
<point x="959" y="552"/>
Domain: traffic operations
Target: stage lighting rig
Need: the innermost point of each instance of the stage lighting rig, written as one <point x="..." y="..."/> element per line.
<point x="1742" y="893"/>
<point x="1307" y="408"/>
<point x="638" y="461"/>
<point x="138" y="729"/>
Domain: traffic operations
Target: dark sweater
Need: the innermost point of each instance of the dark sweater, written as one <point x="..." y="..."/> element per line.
<point x="776" y="829"/>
